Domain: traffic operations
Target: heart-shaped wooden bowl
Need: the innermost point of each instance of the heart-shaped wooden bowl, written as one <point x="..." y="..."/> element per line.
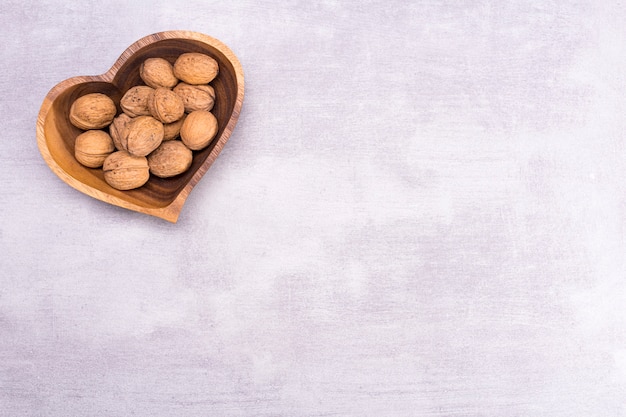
<point x="162" y="198"/>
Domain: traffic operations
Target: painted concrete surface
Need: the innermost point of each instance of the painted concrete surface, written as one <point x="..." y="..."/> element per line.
<point x="420" y="213"/>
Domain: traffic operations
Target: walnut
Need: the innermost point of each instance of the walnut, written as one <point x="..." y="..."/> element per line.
<point x="169" y="159"/>
<point x="92" y="111"/>
<point x="135" y="101"/>
<point x="124" y="171"/>
<point x="92" y="147"/>
<point x="157" y="72"/>
<point x="198" y="129"/>
<point x="145" y="134"/>
<point x="172" y="130"/>
<point x="196" y="97"/>
<point x="160" y="124"/>
<point x="195" y="68"/>
<point x="165" y="105"/>
<point x="119" y="131"/>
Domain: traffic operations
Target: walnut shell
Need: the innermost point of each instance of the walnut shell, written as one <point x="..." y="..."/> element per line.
<point x="195" y="68"/>
<point x="119" y="131"/>
<point x="145" y="134"/>
<point x="169" y="159"/>
<point x="198" y="129"/>
<point x="157" y="72"/>
<point x="172" y="130"/>
<point x="165" y="105"/>
<point x="196" y="97"/>
<point x="135" y="101"/>
<point x="124" y="171"/>
<point x="92" y="111"/>
<point x="92" y="147"/>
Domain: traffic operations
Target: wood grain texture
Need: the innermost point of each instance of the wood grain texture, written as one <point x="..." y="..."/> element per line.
<point x="158" y="197"/>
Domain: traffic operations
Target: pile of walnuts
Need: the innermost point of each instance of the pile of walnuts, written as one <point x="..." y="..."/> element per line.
<point x="160" y="126"/>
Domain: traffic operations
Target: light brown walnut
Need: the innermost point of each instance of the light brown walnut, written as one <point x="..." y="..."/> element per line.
<point x="198" y="129"/>
<point x="135" y="101"/>
<point x="169" y="159"/>
<point x="157" y="72"/>
<point x="119" y="131"/>
<point x="195" y="68"/>
<point x="196" y="97"/>
<point x="145" y="134"/>
<point x="172" y="130"/>
<point x="165" y="105"/>
<point x="92" y="147"/>
<point x="92" y="111"/>
<point x="124" y="171"/>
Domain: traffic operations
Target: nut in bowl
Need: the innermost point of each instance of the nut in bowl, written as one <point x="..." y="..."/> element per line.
<point x="159" y="196"/>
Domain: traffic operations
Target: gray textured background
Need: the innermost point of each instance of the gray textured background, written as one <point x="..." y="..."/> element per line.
<point x="420" y="213"/>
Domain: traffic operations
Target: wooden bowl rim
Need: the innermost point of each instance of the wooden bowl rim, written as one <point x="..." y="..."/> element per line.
<point x="171" y="211"/>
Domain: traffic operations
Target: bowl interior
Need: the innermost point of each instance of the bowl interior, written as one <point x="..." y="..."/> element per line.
<point x="60" y="134"/>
